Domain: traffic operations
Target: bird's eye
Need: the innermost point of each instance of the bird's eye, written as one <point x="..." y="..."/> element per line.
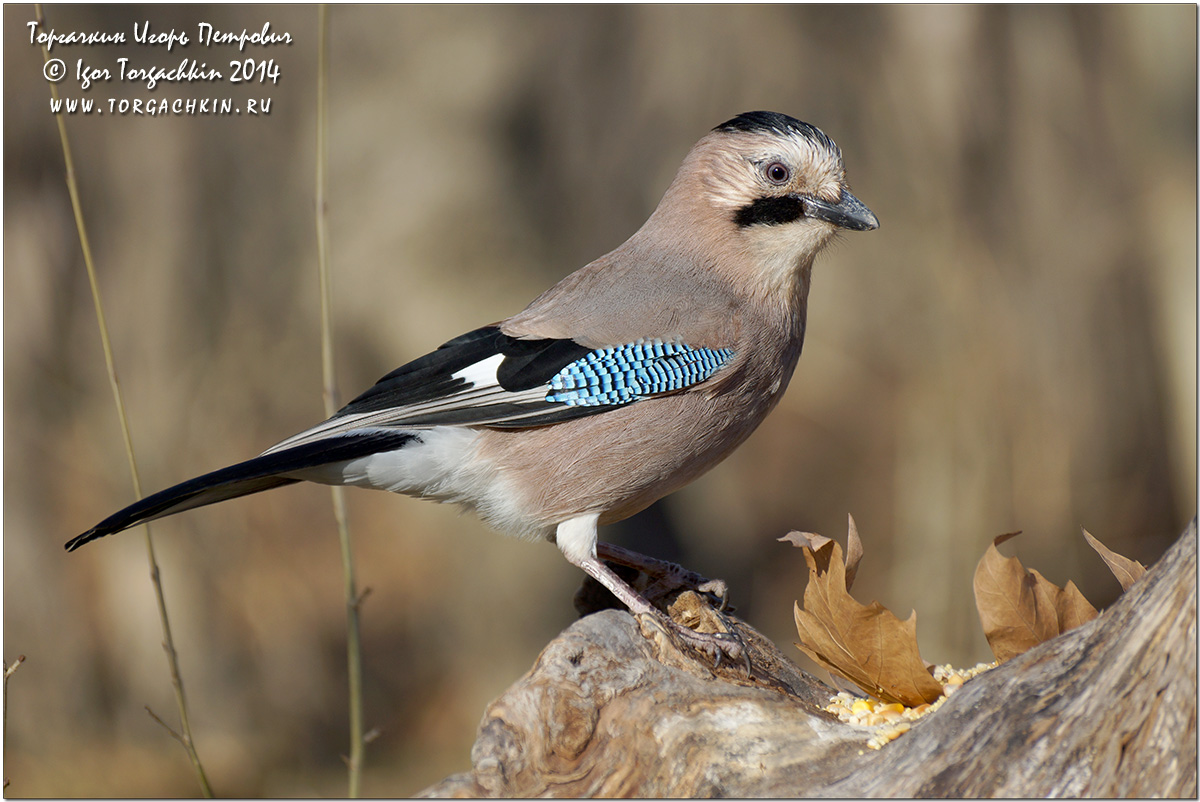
<point x="777" y="173"/>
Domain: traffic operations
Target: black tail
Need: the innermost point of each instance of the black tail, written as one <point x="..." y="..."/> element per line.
<point x="252" y="476"/>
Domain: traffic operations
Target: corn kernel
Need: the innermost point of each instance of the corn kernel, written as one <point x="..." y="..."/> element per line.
<point x="861" y="706"/>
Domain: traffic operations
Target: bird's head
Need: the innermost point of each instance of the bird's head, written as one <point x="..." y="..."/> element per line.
<point x="771" y="187"/>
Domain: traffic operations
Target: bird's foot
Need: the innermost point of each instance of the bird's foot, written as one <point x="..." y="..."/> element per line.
<point x="704" y="629"/>
<point x="716" y="647"/>
<point x="667" y="576"/>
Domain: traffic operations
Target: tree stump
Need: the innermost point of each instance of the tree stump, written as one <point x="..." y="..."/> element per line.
<point x="608" y="709"/>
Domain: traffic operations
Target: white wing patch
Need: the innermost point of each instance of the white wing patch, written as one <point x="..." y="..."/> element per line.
<point x="482" y="390"/>
<point x="482" y="373"/>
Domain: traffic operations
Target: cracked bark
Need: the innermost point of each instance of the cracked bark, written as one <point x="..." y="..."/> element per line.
<point x="1107" y="709"/>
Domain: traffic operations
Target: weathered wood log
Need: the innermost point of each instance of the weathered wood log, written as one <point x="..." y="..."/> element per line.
<point x="1107" y="709"/>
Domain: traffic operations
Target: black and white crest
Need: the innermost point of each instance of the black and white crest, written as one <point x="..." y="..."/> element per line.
<point x="774" y="122"/>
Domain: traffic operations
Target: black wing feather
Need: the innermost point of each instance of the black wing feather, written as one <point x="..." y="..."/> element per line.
<point x="526" y="365"/>
<point x="431" y="376"/>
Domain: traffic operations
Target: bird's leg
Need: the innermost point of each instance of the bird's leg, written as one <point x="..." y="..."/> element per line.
<point x="576" y="539"/>
<point x="668" y="575"/>
<point x="713" y="645"/>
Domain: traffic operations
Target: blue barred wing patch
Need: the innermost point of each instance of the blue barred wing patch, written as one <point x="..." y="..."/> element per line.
<point x="625" y="373"/>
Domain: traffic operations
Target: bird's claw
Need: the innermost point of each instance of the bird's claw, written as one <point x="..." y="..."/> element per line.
<point x="715" y="646"/>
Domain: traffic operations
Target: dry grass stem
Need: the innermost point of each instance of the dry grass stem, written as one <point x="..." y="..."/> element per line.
<point x="353" y="599"/>
<point x="168" y="641"/>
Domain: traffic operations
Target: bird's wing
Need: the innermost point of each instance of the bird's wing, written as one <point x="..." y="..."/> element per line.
<point x="488" y="378"/>
<point x="483" y="378"/>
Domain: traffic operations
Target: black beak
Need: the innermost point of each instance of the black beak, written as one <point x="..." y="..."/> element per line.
<point x="849" y="212"/>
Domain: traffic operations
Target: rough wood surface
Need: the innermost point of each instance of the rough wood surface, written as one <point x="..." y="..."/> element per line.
<point x="1108" y="709"/>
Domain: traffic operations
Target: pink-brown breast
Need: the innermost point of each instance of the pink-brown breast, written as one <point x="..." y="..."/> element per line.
<point x="619" y="462"/>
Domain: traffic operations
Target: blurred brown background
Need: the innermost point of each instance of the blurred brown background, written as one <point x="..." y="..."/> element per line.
<point x="1015" y="348"/>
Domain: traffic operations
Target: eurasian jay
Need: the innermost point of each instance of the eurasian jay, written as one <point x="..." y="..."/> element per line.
<point x="623" y="382"/>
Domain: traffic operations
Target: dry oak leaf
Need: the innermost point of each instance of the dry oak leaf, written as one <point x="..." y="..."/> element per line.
<point x="854" y="547"/>
<point x="1126" y="571"/>
<point x="1020" y="608"/>
<point x="866" y="644"/>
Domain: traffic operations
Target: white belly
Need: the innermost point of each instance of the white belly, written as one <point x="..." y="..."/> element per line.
<point x="441" y="464"/>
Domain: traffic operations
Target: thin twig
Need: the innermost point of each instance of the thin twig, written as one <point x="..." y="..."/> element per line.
<point x="353" y="599"/>
<point x="168" y="641"/>
<point x="166" y="727"/>
<point x="9" y="670"/>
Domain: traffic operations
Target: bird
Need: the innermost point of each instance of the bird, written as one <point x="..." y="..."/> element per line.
<point x="623" y="382"/>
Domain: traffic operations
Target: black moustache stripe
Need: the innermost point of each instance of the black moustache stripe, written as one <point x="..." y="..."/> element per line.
<point x="770" y="212"/>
